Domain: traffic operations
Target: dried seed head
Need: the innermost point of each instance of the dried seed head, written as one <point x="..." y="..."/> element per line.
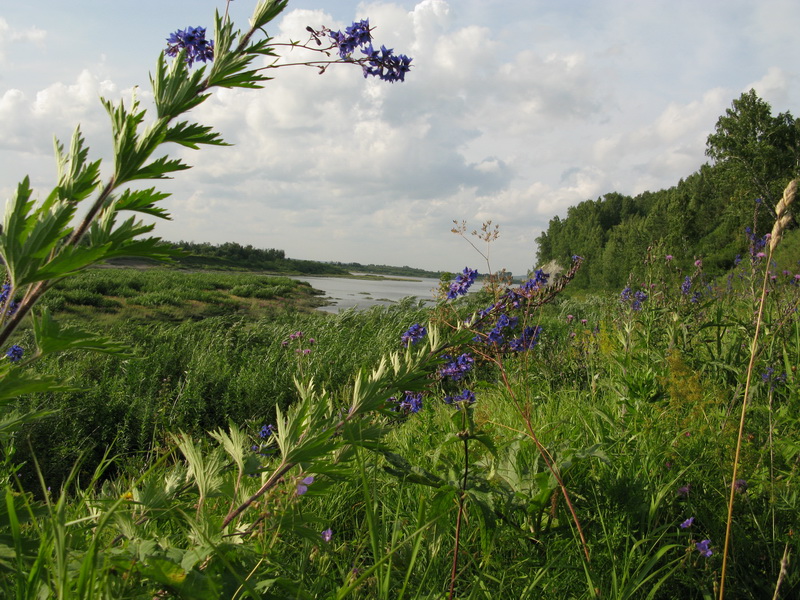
<point x="783" y="216"/>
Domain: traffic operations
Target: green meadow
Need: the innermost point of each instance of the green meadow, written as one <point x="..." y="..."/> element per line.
<point x="597" y="463"/>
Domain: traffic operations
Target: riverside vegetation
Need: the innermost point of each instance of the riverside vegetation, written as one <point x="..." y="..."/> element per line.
<point x="514" y="443"/>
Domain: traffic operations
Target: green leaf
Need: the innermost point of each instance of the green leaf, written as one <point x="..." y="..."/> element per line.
<point x="142" y="201"/>
<point x="192" y="134"/>
<point x="71" y="260"/>
<point x="266" y="11"/>
<point x="52" y="337"/>
<point x="16" y="382"/>
<point x="76" y="179"/>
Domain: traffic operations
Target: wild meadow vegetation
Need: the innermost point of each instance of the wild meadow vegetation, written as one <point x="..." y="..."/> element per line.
<point x="171" y="434"/>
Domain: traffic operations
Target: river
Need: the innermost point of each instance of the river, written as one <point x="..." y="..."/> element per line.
<point x="344" y="292"/>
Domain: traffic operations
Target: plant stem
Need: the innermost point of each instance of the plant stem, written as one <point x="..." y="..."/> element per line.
<point x="750" y="366"/>
<point x="461" y="497"/>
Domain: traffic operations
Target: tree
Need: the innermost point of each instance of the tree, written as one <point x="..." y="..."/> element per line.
<point x="760" y="152"/>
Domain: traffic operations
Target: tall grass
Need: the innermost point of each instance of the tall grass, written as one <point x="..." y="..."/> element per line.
<point x="597" y="464"/>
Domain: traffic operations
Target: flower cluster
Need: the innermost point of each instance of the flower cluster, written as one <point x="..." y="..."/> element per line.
<point x="634" y="299"/>
<point x="5" y="294"/>
<point x="385" y="65"/>
<point x="354" y="36"/>
<point x="413" y="334"/>
<point x="456" y="368"/>
<point x="410" y="403"/>
<point x="15" y="353"/>
<point x="772" y="379"/>
<point x="465" y="397"/>
<point x="193" y="41"/>
<point x="461" y="285"/>
<point x="297" y="336"/>
<point x="528" y="339"/>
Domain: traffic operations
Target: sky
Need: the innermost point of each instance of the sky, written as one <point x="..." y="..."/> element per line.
<point x="514" y="110"/>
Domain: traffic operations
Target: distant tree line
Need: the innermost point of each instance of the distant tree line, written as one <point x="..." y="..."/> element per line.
<point x="233" y="255"/>
<point x="753" y="155"/>
<point x="404" y="271"/>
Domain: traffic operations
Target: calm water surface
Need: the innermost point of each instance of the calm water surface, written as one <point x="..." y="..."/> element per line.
<point x="346" y="293"/>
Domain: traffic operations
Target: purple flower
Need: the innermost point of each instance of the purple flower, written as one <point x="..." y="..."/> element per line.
<point x="302" y="487"/>
<point x="537" y="282"/>
<point x="457" y="368"/>
<point x="465" y="397"/>
<point x="740" y="486"/>
<point x="411" y="402"/>
<point x="668" y="257"/>
<point x="687" y="523"/>
<point x="354" y="36"/>
<point x="462" y="283"/>
<point x="528" y="339"/>
<point x="414" y="334"/>
<point x="698" y="263"/>
<point x="703" y="548"/>
<point x="625" y="295"/>
<point x="15" y="353"/>
<point x="684" y="490"/>
<point x="327" y="535"/>
<point x="193" y="41"/>
<point x="686" y="286"/>
<point x="385" y="65"/>
<point x="266" y="431"/>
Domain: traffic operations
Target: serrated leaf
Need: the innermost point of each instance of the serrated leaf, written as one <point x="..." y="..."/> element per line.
<point x="71" y="260"/>
<point x="142" y="201"/>
<point x="76" y="179"/>
<point x="266" y="11"/>
<point x="175" y="89"/>
<point x="191" y="134"/>
<point x="52" y="337"/>
<point x="158" y="169"/>
<point x="17" y="382"/>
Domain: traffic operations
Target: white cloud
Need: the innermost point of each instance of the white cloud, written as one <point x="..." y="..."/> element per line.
<point x="9" y="35"/>
<point x="511" y="115"/>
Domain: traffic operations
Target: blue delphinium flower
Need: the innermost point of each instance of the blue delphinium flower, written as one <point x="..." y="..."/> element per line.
<point x="354" y="36"/>
<point x="15" y="353"/>
<point x="266" y="431"/>
<point x="639" y="297"/>
<point x="465" y="397"/>
<point x="193" y="41"/>
<point x="686" y="286"/>
<point x="462" y="283"/>
<point x="385" y="65"/>
<point x="704" y="548"/>
<point x="537" y="282"/>
<point x="528" y="339"/>
<point x="413" y="334"/>
<point x="411" y="403"/>
<point x="457" y="368"/>
<point x="625" y="295"/>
